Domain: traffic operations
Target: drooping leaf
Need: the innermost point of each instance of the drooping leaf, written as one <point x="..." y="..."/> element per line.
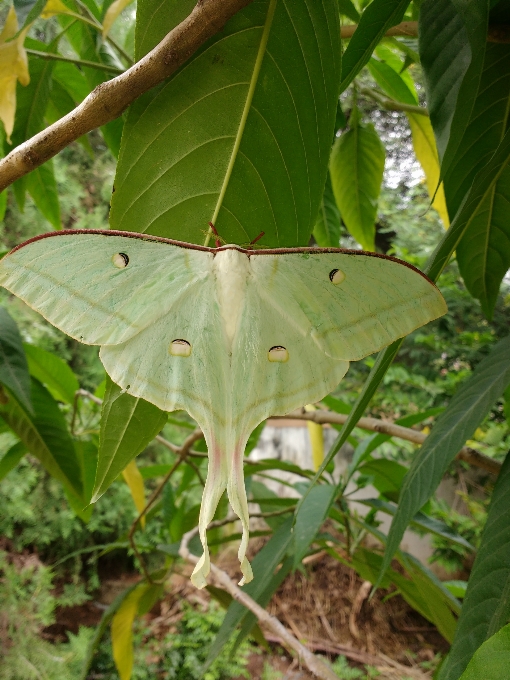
<point x="458" y="423"/>
<point x="492" y="659"/>
<point x="53" y="372"/>
<point x="310" y="518"/>
<point x="13" y="67"/>
<point x="356" y="167"/>
<point x="486" y="605"/>
<point x="128" y="424"/>
<point x="375" y="21"/>
<point x="46" y="436"/>
<point x="122" y="631"/>
<point x="112" y="13"/>
<point x="134" y="480"/>
<point x="386" y="476"/>
<point x="483" y="253"/>
<point x="346" y="7"/>
<point x="275" y="69"/>
<point x="453" y="38"/>
<point x="13" y="362"/>
<point x="327" y="227"/>
<point x="27" y="10"/>
<point x="11" y="458"/>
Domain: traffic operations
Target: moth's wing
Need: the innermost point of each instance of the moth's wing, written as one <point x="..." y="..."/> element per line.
<point x="198" y="383"/>
<point x="378" y="301"/>
<point x="72" y="281"/>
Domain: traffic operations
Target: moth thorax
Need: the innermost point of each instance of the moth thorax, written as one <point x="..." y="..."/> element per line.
<point x="231" y="268"/>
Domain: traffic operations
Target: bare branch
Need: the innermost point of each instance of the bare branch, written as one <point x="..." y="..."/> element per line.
<point x="467" y="454"/>
<point x="108" y="100"/>
<point x="499" y="33"/>
<point x="271" y="623"/>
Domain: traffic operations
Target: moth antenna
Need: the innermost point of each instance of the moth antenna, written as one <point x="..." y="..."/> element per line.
<point x="257" y="238"/>
<point x="213" y="229"/>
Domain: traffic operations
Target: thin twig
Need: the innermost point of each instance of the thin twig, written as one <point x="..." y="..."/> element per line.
<point x="392" y="104"/>
<point x="182" y="454"/>
<point x="467" y="454"/>
<point x="109" y="99"/>
<point x="51" y="56"/>
<point x="499" y="33"/>
<point x="313" y="663"/>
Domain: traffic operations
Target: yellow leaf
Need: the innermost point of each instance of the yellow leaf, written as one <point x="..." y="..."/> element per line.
<point x="53" y="7"/>
<point x="426" y="152"/>
<point x="13" y="67"/>
<point x="316" y="435"/>
<point x="122" y="631"/>
<point x="112" y="13"/>
<point x="134" y="480"/>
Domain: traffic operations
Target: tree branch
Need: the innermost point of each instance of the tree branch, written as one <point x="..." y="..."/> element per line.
<point x="499" y="33"/>
<point x="108" y="100"/>
<point x="313" y="663"/>
<point x="391" y="104"/>
<point x="467" y="454"/>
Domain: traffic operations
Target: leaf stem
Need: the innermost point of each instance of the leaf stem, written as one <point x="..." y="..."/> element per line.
<point x="78" y="62"/>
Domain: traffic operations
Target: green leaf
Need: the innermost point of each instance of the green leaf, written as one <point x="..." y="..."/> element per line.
<point x="375" y="21"/>
<point x="387" y="476"/>
<point x="11" y="458"/>
<point x="310" y="518"/>
<point x="327" y="227"/>
<point x="86" y="454"/>
<point x="453" y="38"/>
<point x="128" y="425"/>
<point x="46" y="436"/>
<point x="486" y="605"/>
<point x="483" y="253"/>
<point x="492" y="660"/>
<point x="275" y="69"/>
<point x="391" y="82"/>
<point x="468" y="407"/>
<point x="356" y="167"/>
<point x="264" y="565"/>
<point x="32" y="102"/>
<point x="13" y="363"/>
<point x="28" y="10"/>
<point x="346" y="7"/>
<point x="53" y="372"/>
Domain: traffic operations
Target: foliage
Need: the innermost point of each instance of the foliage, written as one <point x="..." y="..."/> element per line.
<point x="244" y="135"/>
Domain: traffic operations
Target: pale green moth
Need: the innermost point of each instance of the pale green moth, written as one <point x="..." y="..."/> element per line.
<point x="232" y="336"/>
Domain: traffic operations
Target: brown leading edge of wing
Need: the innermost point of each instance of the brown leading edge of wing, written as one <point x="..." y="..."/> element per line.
<point x="194" y="246"/>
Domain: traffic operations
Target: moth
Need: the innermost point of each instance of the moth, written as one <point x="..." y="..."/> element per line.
<point x="230" y="335"/>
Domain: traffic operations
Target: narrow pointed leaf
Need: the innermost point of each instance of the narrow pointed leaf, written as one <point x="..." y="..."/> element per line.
<point x="375" y="21"/>
<point x="134" y="480"/>
<point x="122" y="631"/>
<point x="128" y="425"/>
<point x="486" y="605"/>
<point x="13" y="363"/>
<point x="275" y="69"/>
<point x="310" y="518"/>
<point x="469" y="406"/>
<point x="11" y="458"/>
<point x="53" y="372"/>
<point x="356" y="167"/>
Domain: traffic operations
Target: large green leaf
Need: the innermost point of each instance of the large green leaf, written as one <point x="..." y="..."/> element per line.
<point x="375" y="21"/>
<point x="46" y="436"/>
<point x="469" y="406"/>
<point x="310" y="518"/>
<point x="128" y="424"/>
<point x="11" y="458"/>
<point x="241" y="135"/>
<point x="492" y="660"/>
<point x="356" y="168"/>
<point x="453" y="37"/>
<point x="32" y="102"/>
<point x="327" y="227"/>
<point x="13" y="363"/>
<point x="53" y="372"/>
<point x="264" y="565"/>
<point x="486" y="605"/>
<point x="483" y="253"/>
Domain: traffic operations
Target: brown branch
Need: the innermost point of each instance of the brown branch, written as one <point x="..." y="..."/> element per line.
<point x="271" y="623"/>
<point x="499" y="33"/>
<point x="467" y="454"/>
<point x="108" y="100"/>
